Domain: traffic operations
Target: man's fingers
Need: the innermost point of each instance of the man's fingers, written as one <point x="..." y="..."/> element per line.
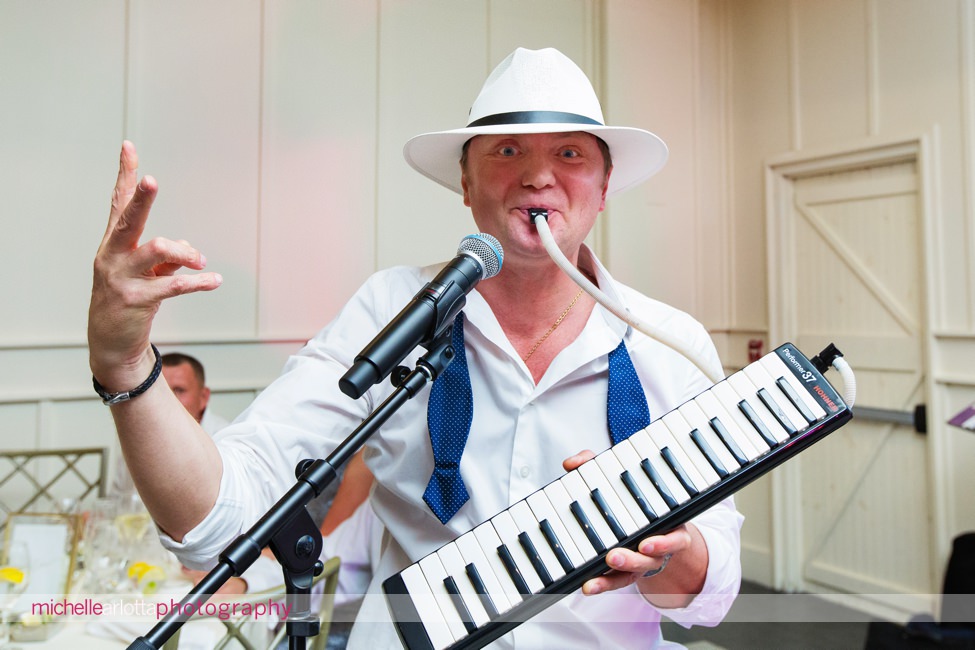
<point x="677" y="540"/>
<point x="181" y="284"/>
<point x="628" y="566"/>
<point x="161" y="288"/>
<point x="125" y="225"/>
<point x="165" y="269"/>
<point x="573" y="462"/>
<point x="125" y="230"/>
<point x="148" y="275"/>
<point x="609" y="581"/>
<point x="622" y="559"/>
<point x="171" y="268"/>
<point x="131" y="280"/>
<point x="128" y="168"/>
<point x="166" y="255"/>
<point x="125" y="184"/>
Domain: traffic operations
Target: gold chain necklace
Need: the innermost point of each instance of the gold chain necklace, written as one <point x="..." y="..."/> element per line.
<point x="553" y="327"/>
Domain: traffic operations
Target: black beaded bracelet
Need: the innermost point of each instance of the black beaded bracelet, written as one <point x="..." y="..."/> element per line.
<point x="115" y="398"/>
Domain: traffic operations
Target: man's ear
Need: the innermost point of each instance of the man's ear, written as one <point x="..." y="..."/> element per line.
<point x="463" y="185"/>
<point x="602" y="200"/>
<point x="206" y="396"/>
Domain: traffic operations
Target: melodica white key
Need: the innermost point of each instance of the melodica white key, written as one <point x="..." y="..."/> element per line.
<point x="633" y="476"/>
<point x="665" y="483"/>
<point x="514" y="557"/>
<point x="561" y="502"/>
<point x="782" y="369"/>
<point x="487" y="537"/>
<point x="753" y="407"/>
<point x="556" y="535"/>
<point x="773" y="397"/>
<point x="586" y="514"/>
<point x="533" y="543"/>
<point x="435" y="575"/>
<point x="674" y="457"/>
<point x="629" y="494"/>
<point x="481" y="574"/>
<point x="467" y="602"/>
<point x="426" y="608"/>
<point x="608" y="501"/>
<point x="681" y="431"/>
<point x="707" y="440"/>
<point x="729" y="398"/>
<point x="722" y="422"/>
<point x="655" y="468"/>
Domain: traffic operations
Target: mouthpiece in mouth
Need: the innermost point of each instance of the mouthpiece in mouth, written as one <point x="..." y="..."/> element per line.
<point x="535" y="213"/>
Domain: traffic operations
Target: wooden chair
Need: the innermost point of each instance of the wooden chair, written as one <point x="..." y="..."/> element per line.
<point x="235" y="627"/>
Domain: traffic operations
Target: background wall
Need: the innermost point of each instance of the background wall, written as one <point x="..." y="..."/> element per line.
<point x="274" y="128"/>
<point x="810" y="78"/>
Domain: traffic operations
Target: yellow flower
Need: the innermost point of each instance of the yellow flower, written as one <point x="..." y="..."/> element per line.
<point x="147" y="576"/>
<point x="150" y="581"/>
<point x="136" y="569"/>
<point x="11" y="574"/>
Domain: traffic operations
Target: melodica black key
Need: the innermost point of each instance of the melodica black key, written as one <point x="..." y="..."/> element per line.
<point x="783" y="389"/>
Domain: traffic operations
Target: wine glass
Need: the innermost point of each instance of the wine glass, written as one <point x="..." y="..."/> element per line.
<point x="14" y="576"/>
<point x="104" y="558"/>
<point x="99" y="548"/>
<point x="133" y="523"/>
<point x="132" y="527"/>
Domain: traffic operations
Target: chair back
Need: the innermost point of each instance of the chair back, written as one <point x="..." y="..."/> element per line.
<point x="50" y="480"/>
<point x="235" y="631"/>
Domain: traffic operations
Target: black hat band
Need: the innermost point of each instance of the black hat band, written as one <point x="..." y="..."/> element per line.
<point x="533" y="117"/>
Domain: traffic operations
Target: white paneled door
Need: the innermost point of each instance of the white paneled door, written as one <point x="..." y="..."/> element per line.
<point x="846" y="247"/>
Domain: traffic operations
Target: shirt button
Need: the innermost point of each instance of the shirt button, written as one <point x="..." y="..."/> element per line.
<point x="525" y="471"/>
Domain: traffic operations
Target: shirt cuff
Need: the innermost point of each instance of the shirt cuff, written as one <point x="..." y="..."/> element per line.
<point x="202" y="545"/>
<point x="720" y="527"/>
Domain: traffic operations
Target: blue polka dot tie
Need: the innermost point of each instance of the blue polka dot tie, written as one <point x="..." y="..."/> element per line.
<point x="626" y="404"/>
<point x="451" y="411"/>
<point x="449" y="416"/>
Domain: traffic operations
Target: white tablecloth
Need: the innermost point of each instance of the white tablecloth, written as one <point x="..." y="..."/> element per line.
<point x="105" y="635"/>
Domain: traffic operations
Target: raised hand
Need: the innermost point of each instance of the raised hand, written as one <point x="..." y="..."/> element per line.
<point x="131" y="280"/>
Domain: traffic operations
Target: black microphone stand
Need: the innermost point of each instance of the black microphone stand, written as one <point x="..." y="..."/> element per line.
<point x="288" y="528"/>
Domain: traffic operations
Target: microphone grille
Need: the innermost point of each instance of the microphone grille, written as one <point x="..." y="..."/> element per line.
<point x="485" y="248"/>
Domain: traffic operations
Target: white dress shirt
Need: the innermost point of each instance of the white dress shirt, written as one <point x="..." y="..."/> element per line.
<point x="520" y="435"/>
<point x="212" y="422"/>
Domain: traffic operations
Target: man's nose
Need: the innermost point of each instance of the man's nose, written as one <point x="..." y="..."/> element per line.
<point x="538" y="172"/>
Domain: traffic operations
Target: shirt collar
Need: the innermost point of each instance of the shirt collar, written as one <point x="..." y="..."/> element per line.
<point x="602" y="334"/>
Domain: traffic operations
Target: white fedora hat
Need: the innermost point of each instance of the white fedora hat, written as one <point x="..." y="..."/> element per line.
<point x="538" y="91"/>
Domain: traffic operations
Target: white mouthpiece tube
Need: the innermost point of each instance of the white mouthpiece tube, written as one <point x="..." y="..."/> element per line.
<point x="617" y="309"/>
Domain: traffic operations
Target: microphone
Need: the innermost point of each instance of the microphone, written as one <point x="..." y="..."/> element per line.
<point x="430" y="311"/>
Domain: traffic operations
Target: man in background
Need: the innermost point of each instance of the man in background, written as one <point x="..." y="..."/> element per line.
<point x="185" y="375"/>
